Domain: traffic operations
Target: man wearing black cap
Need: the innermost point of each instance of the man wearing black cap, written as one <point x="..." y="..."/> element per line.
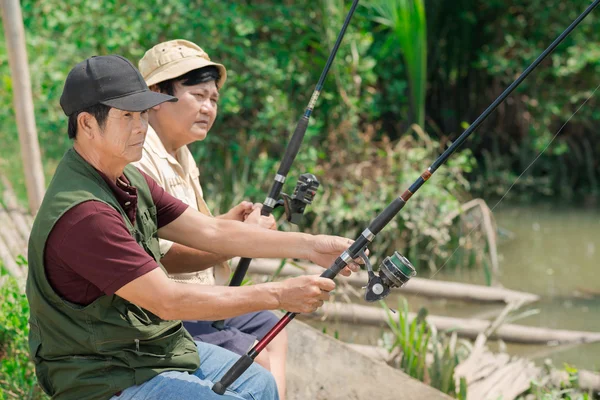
<point x="105" y="320"/>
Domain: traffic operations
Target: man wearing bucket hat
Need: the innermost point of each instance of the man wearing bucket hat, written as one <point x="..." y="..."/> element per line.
<point x="105" y="320"/>
<point x="182" y="69"/>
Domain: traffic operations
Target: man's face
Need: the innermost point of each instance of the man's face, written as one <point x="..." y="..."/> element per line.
<point x="123" y="135"/>
<point x="189" y="119"/>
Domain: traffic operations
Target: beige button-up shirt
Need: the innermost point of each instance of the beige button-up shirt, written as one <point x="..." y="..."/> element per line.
<point x="179" y="176"/>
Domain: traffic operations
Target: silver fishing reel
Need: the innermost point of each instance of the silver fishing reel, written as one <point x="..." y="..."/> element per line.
<point x="394" y="271"/>
<point x="304" y="194"/>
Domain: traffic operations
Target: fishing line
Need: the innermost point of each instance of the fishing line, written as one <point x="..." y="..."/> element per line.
<point x="519" y="177"/>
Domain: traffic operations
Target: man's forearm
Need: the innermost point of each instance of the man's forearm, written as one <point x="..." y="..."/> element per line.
<point x="182" y="259"/>
<point x="232" y="237"/>
<point x="209" y="303"/>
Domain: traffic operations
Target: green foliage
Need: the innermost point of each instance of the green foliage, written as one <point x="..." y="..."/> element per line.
<point x="359" y="181"/>
<point x="17" y="376"/>
<point x="359" y="141"/>
<point x="545" y="101"/>
<point x="274" y="52"/>
<point x="550" y="389"/>
<point x="406" y="19"/>
<point x="445" y="360"/>
<point x="411" y="338"/>
<point x="417" y="340"/>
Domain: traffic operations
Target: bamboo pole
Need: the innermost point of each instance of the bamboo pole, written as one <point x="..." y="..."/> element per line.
<point x="416" y="286"/>
<point x="21" y="219"/>
<point x="11" y="266"/>
<point x="23" y="102"/>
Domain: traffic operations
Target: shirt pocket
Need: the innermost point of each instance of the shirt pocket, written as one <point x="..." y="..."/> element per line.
<point x="177" y="187"/>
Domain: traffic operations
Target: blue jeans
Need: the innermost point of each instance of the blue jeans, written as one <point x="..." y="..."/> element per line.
<point x="256" y="383"/>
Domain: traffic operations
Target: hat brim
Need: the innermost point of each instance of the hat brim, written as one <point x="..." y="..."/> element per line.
<point x="140" y="101"/>
<point x="180" y="67"/>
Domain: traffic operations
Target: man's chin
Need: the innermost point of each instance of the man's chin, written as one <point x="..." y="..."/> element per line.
<point x="199" y="134"/>
<point x="136" y="156"/>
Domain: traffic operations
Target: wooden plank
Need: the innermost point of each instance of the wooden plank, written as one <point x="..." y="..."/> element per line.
<point x="355" y="313"/>
<point x="9" y="233"/>
<point x="416" y="286"/>
<point x="21" y="219"/>
<point x="10" y="265"/>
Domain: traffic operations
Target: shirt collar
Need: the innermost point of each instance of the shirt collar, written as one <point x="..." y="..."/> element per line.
<point x="184" y="158"/>
<point x="154" y="144"/>
<point x="125" y="194"/>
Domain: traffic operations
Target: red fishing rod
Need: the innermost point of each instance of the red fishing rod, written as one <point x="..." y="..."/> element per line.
<point x="395" y="271"/>
<point x="307" y="184"/>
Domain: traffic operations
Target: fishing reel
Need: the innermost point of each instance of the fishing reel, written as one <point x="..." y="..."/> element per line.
<point x="304" y="194"/>
<point x="394" y="271"/>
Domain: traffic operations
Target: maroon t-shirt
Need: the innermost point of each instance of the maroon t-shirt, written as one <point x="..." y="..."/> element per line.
<point x="90" y="251"/>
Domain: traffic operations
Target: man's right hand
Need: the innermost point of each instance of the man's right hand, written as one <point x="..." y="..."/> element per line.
<point x="239" y="212"/>
<point x="304" y="294"/>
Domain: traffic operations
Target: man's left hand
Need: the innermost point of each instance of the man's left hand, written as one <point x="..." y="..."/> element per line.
<point x="327" y="248"/>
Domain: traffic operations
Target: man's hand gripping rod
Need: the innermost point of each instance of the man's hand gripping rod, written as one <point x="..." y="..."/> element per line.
<point x="403" y="268"/>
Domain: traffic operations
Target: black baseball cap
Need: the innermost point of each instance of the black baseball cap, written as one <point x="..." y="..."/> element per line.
<point x="109" y="80"/>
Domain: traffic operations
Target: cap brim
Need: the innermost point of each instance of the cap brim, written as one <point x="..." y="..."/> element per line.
<point x="180" y="67"/>
<point x="140" y="101"/>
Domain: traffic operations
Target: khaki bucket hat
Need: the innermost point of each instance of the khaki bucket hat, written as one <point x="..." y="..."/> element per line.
<point x="168" y="60"/>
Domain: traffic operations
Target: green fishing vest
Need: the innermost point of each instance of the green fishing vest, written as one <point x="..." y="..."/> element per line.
<point x="94" y="351"/>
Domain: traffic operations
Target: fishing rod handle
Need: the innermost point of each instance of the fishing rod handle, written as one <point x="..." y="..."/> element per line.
<point x="232" y="374"/>
<point x="240" y="272"/>
<point x="246" y="360"/>
<point x="294" y="146"/>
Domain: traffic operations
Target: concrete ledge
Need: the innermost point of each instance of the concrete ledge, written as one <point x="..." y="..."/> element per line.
<point x="322" y="368"/>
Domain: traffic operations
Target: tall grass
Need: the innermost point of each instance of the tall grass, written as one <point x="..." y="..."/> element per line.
<point x="426" y="354"/>
<point x="411" y="338"/>
<point x="406" y="18"/>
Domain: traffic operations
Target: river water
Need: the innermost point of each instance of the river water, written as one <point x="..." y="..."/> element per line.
<point x="555" y="253"/>
<point x="552" y="252"/>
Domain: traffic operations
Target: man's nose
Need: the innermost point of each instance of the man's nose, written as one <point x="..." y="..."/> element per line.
<point x="206" y="107"/>
<point x="140" y="124"/>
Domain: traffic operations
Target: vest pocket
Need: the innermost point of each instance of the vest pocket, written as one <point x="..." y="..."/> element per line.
<point x="35" y="341"/>
<point x="41" y="369"/>
<point x="138" y="316"/>
<point x="160" y="347"/>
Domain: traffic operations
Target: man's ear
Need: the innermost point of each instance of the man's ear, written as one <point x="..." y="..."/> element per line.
<point x="155" y="88"/>
<point x="86" y="124"/>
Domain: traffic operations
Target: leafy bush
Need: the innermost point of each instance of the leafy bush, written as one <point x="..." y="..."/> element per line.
<point x="361" y="180"/>
<point x="17" y="376"/>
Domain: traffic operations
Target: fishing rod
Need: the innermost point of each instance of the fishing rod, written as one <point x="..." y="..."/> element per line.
<point x="396" y="270"/>
<point x="307" y="185"/>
